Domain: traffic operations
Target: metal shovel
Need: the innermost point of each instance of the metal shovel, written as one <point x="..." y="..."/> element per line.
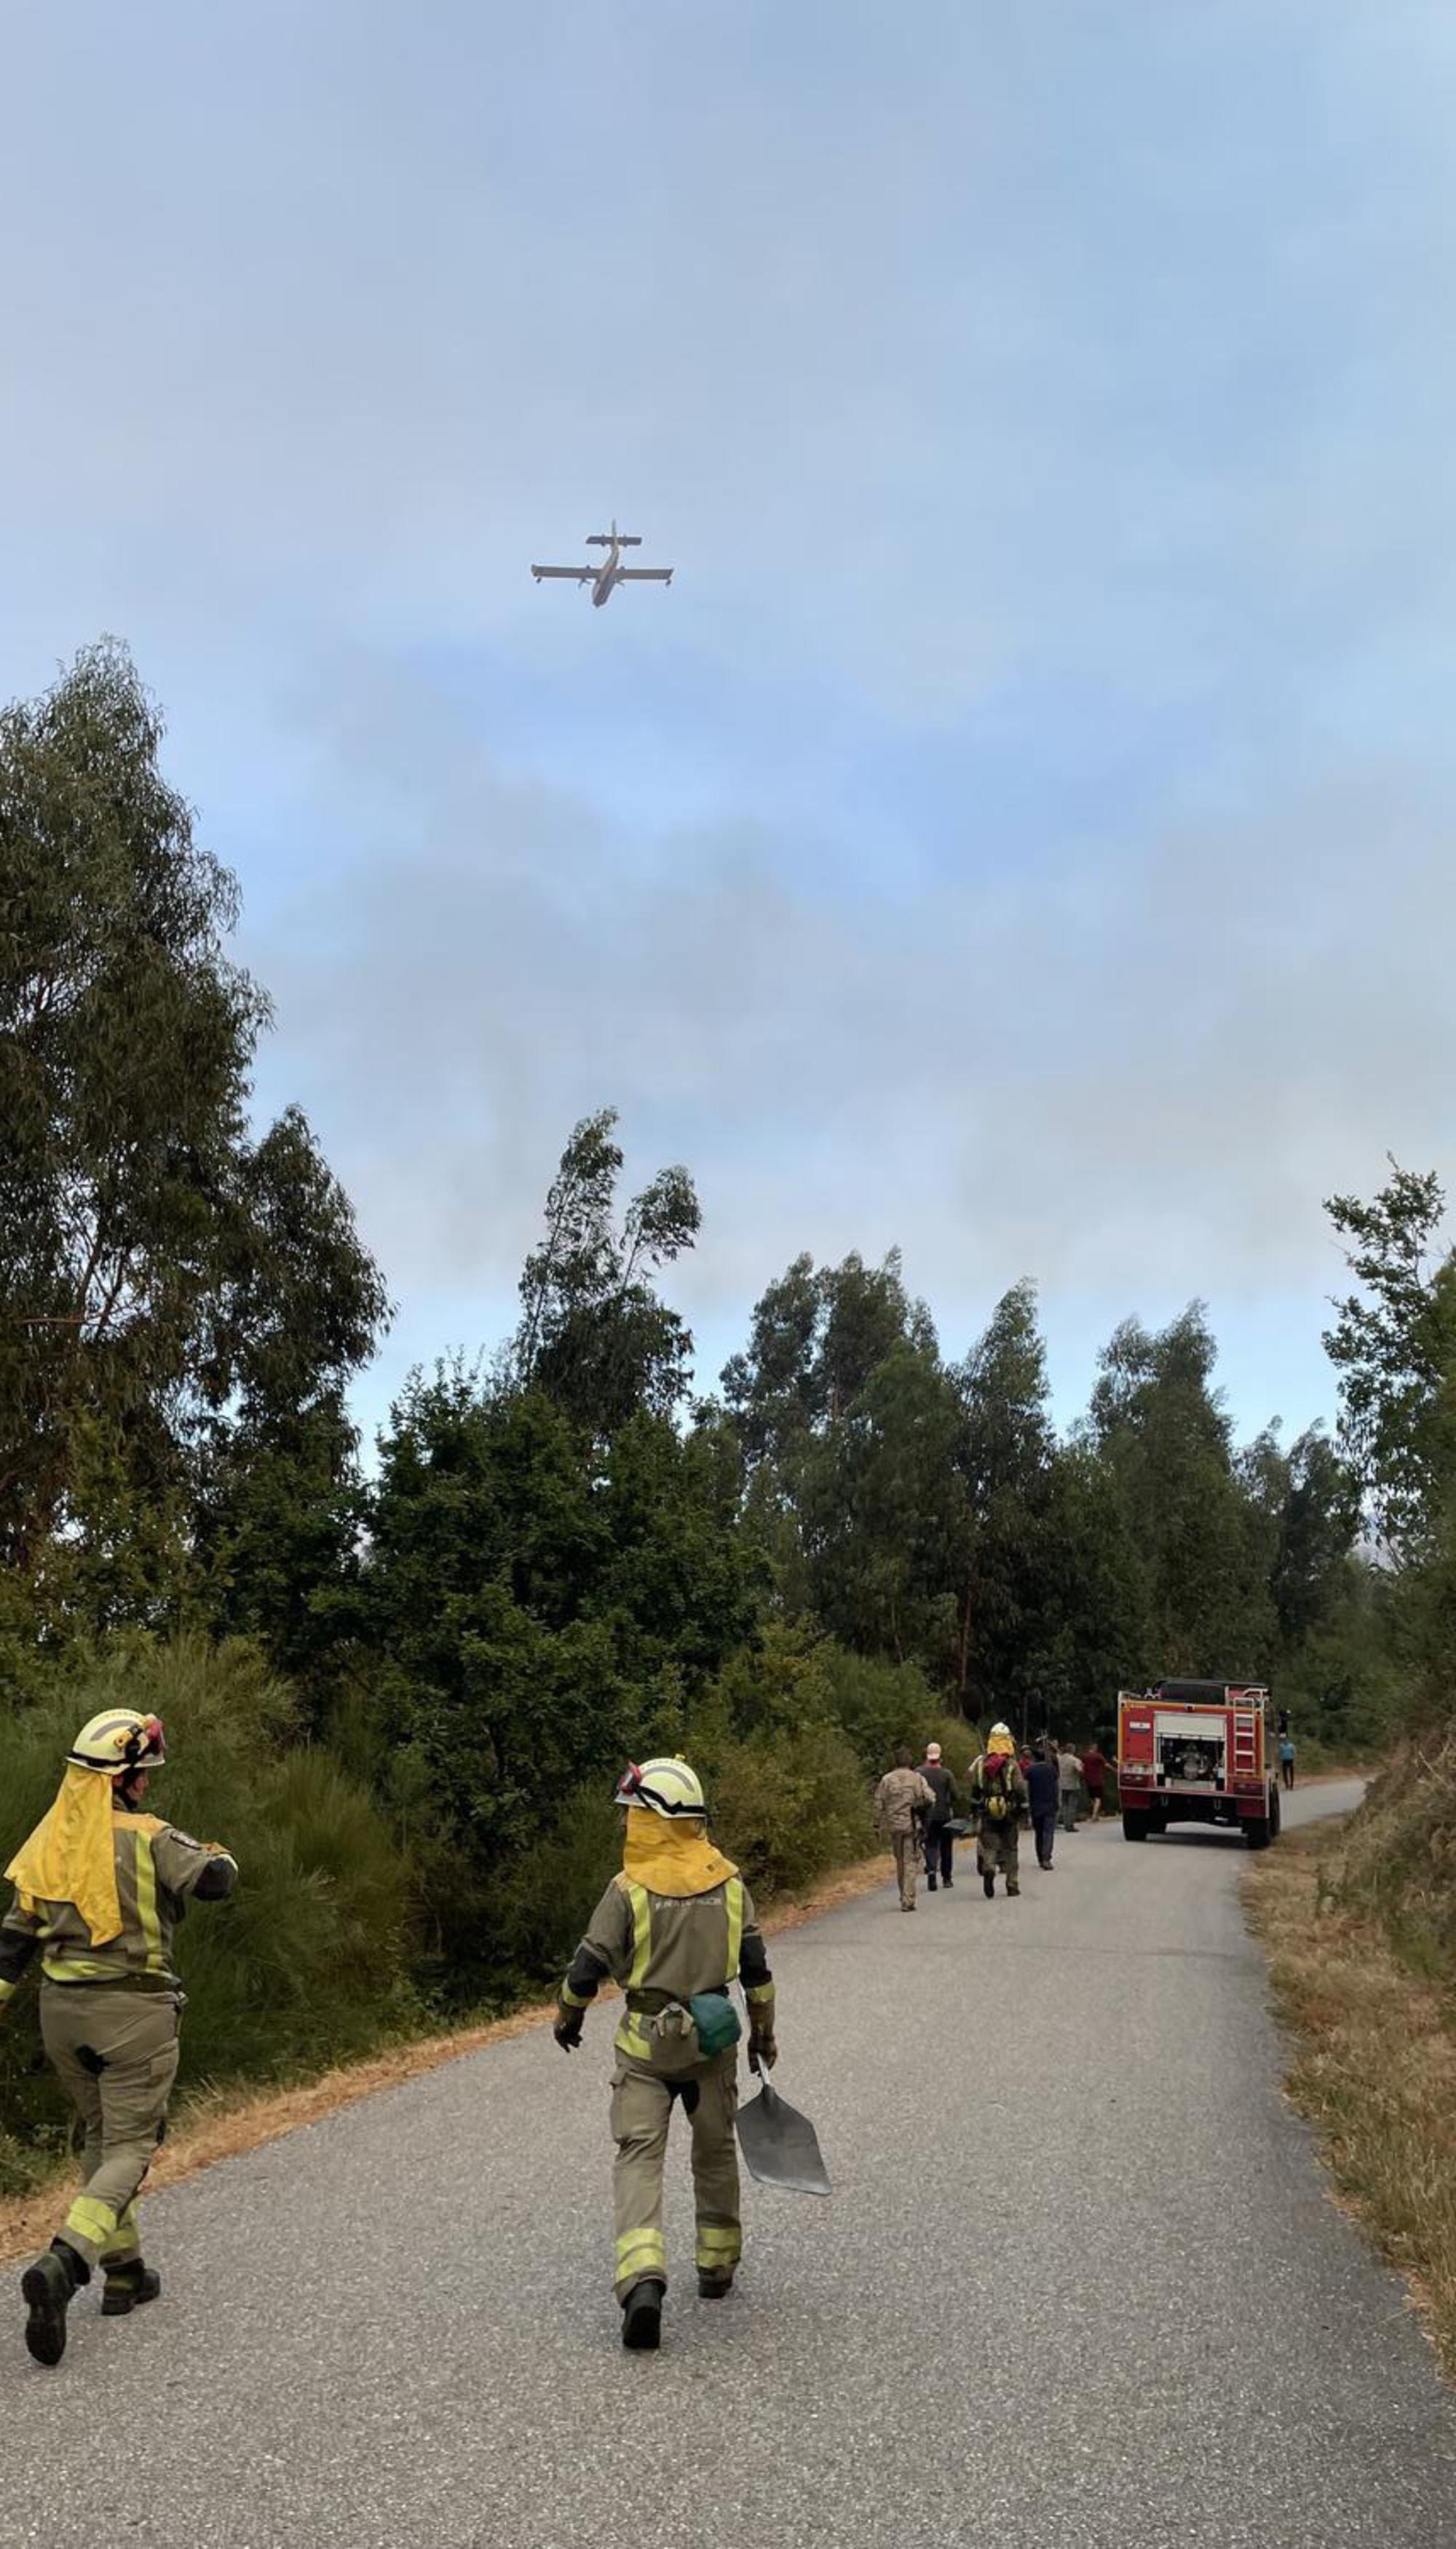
<point x="780" y="2145"/>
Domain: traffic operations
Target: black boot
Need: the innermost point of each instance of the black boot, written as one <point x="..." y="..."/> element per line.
<point x="930" y="1884"/>
<point x="988" y="1884"/>
<point x="713" y="2288"/>
<point x="47" y="2289"/>
<point x="127" y="2287"/>
<point x="642" y="2317"/>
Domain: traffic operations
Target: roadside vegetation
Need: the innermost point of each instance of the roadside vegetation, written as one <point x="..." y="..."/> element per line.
<point x="401" y="1681"/>
<point x="1358" y="1929"/>
<point x="1361" y="1922"/>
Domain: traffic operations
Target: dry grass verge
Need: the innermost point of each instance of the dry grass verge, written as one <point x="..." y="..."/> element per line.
<point x="221" y="2124"/>
<point x="1374" y="2065"/>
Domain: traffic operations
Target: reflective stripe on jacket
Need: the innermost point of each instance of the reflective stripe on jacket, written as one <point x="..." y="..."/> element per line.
<point x="675" y="1947"/>
<point x="157" y="1869"/>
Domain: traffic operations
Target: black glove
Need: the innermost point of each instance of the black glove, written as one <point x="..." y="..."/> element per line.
<point x="568" y="2028"/>
<point x="762" y="2050"/>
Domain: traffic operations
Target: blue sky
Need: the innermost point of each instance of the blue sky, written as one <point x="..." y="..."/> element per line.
<point x="1024" y="831"/>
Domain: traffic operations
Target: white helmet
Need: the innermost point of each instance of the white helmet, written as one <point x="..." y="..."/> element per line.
<point x="666" y="1786"/>
<point x="119" y="1741"/>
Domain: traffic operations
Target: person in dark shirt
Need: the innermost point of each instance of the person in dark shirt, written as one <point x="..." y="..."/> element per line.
<point x="1094" y="1775"/>
<point x="1044" y="1786"/>
<point x="940" y="1843"/>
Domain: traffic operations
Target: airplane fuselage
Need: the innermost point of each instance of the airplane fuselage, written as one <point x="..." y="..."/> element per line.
<point x="605" y="584"/>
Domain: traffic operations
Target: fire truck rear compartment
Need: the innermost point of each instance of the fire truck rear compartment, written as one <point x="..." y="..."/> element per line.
<point x="1190" y="1750"/>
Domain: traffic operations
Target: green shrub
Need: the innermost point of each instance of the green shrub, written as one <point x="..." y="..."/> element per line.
<point x="789" y="1807"/>
<point x="880" y="1705"/>
<point x="544" y="1898"/>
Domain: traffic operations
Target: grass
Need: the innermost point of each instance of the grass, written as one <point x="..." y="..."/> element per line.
<point x="1357" y="1925"/>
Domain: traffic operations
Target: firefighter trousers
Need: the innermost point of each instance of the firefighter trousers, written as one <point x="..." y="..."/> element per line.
<point x="114" y="2054"/>
<point x="641" y="2110"/>
<point x="997" y="1854"/>
<point x="906" y="1848"/>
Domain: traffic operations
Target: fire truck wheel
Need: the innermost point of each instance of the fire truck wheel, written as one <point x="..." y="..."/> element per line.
<point x="1256" y="1832"/>
<point x="1276" y="1816"/>
<point x="1134" y="1825"/>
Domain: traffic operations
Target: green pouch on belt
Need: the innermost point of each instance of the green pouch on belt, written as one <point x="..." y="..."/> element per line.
<point x="716" y="2021"/>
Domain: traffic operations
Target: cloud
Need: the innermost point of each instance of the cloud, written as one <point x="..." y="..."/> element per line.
<point x="1023" y="832"/>
<point x="1138" y="1072"/>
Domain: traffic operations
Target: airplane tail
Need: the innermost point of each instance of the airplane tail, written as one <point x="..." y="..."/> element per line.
<point x="623" y="540"/>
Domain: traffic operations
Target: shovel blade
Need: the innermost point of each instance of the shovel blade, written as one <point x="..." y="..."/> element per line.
<point x="780" y="2146"/>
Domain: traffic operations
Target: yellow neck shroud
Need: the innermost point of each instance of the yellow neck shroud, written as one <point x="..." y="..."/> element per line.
<point x="71" y="1857"/>
<point x="674" y="1859"/>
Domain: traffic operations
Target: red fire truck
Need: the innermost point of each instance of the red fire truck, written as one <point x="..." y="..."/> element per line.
<point x="1197" y="1752"/>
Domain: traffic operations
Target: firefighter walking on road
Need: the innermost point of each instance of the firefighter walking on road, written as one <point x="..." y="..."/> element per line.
<point x="676" y="1927"/>
<point x="998" y="1794"/>
<point x="98" y="1890"/>
<point x="902" y="1802"/>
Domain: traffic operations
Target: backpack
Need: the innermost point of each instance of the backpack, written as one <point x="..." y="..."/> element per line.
<point x="997" y="1796"/>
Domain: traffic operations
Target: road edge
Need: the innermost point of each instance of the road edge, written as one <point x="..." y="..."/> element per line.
<point x="1369" y="2062"/>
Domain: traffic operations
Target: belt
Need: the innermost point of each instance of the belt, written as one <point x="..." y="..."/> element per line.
<point x="152" y="1984"/>
<point x="651" y="2004"/>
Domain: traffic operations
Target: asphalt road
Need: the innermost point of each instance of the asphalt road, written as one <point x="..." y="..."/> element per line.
<point x="1079" y="2282"/>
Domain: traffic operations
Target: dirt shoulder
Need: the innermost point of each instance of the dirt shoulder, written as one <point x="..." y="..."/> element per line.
<point x="1373" y="2067"/>
<point x="222" y="2124"/>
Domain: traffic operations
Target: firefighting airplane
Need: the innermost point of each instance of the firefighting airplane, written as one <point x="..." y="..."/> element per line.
<point x="606" y="578"/>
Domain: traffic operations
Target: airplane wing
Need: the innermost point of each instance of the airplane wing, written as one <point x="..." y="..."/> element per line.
<point x="645" y="574"/>
<point x="571" y="573"/>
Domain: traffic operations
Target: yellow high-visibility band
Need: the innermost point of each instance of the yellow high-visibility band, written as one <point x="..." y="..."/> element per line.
<point x="92" y="2220"/>
<point x="125" y="2241"/>
<point x="641" y="1935"/>
<point x="758" y="1995"/>
<point x="574" y="2000"/>
<point x="71" y="1969"/>
<point x="151" y="1928"/>
<point x="632" y="2038"/>
<point x="638" y="2250"/>
<point x="6" y="1989"/>
<point x="735" y="1925"/>
<point x="718" y="2243"/>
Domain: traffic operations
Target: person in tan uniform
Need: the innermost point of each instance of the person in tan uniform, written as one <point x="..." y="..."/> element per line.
<point x="676" y="1927"/>
<point x="98" y="1890"/>
<point x="901" y="1802"/>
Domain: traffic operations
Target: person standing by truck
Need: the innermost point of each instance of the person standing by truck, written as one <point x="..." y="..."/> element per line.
<point x="1286" y="1757"/>
<point x="1070" y="1786"/>
<point x="1094" y="1773"/>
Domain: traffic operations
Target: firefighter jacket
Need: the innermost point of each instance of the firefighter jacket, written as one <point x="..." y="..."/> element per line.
<point x="158" y="1869"/>
<point x="665" y="1949"/>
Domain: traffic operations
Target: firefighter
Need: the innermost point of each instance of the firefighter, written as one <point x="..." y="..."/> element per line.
<point x="98" y="1890"/>
<point x="676" y="1927"/>
<point x="998" y="1793"/>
